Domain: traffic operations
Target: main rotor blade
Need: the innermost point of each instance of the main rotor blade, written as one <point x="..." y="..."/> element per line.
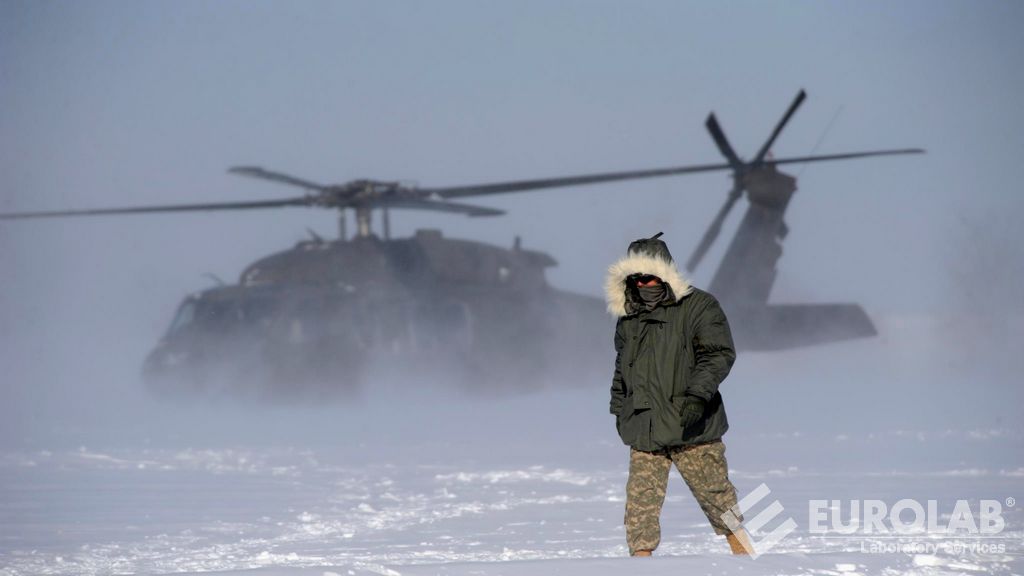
<point x="526" y="185"/>
<point x="439" y="206"/>
<point x="722" y="142"/>
<point x="845" y="156"/>
<point x="257" y="172"/>
<point x="303" y="201"/>
<point x="711" y="234"/>
<point x="778" y="127"/>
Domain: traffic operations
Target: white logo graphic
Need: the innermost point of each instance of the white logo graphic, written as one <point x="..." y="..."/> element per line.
<point x="732" y="519"/>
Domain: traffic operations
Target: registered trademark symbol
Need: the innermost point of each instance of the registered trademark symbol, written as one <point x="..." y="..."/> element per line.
<point x="1010" y="502"/>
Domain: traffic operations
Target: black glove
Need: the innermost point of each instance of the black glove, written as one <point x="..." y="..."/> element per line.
<point x="693" y="409"/>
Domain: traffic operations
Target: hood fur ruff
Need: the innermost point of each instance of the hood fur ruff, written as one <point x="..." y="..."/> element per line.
<point x="615" y="287"/>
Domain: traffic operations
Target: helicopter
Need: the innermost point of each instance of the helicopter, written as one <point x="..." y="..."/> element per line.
<point x="322" y="313"/>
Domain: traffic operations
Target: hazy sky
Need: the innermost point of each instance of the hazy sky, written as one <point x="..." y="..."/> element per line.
<point x="133" y="103"/>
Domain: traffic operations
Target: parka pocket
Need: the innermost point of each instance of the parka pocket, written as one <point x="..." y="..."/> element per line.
<point x="627" y="408"/>
<point x="624" y="419"/>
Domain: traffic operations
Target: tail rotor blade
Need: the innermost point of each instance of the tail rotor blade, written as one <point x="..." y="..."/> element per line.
<point x="714" y="229"/>
<point x="722" y="142"/>
<point x="778" y="128"/>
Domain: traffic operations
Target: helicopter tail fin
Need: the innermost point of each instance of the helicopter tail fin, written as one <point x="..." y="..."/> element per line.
<point x="784" y="326"/>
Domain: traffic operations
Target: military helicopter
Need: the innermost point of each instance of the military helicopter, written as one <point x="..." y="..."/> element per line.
<point x="324" y="311"/>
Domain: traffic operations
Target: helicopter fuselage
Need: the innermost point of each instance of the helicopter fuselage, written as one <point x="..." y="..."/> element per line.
<point x="323" y="312"/>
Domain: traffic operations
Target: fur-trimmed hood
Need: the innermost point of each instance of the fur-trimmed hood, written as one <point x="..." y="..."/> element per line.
<point x="640" y="263"/>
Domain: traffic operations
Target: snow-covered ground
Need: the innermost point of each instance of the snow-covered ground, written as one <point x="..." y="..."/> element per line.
<point x="508" y="485"/>
<point x="193" y="510"/>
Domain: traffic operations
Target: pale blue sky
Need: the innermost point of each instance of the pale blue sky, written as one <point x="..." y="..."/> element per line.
<point x="138" y="102"/>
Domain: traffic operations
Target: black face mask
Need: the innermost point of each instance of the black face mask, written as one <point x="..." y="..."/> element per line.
<point x="651" y="296"/>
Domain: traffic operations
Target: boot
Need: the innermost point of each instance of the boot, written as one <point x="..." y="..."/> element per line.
<point x="739" y="543"/>
<point x="644" y="553"/>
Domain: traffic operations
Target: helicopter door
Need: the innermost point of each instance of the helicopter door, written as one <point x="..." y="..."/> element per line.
<point x="444" y="328"/>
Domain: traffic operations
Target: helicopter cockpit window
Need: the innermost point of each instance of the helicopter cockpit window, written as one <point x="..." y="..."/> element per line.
<point x="186" y="314"/>
<point x="217" y="315"/>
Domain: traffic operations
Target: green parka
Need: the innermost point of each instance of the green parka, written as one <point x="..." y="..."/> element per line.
<point x="681" y="347"/>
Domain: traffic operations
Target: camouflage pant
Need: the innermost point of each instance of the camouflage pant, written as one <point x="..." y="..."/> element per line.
<point x="705" y="471"/>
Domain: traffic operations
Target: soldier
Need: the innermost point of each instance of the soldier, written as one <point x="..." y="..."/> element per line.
<point x="673" y="349"/>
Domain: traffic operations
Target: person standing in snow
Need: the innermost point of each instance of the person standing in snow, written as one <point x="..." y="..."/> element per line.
<point x="673" y="349"/>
